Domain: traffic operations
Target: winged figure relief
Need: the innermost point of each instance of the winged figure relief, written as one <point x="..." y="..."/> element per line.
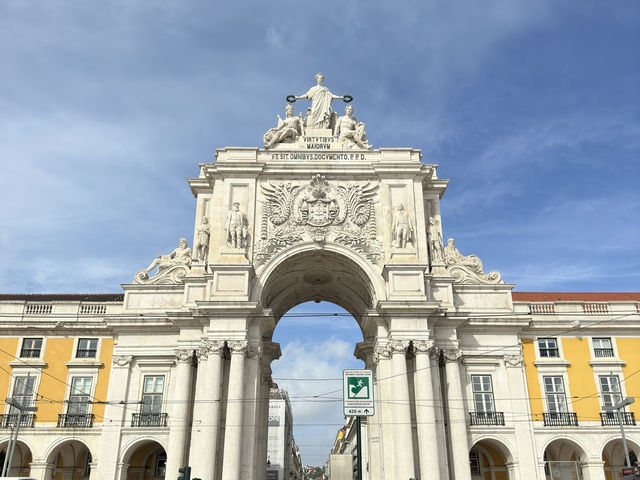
<point x="280" y="197"/>
<point x="358" y="198"/>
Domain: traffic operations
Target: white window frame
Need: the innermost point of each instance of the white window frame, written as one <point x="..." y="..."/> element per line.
<point x="614" y="346"/>
<point x="81" y="372"/>
<point x="162" y="394"/>
<point x="76" y="345"/>
<point x="40" y="356"/>
<point x="33" y="373"/>
<point x="555" y="394"/>
<point x="88" y="395"/>
<point x="558" y="348"/>
<point x="483" y="393"/>
<point x="14" y="383"/>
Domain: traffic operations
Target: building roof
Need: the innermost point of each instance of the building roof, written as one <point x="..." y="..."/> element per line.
<point x="575" y="296"/>
<point x="70" y="297"/>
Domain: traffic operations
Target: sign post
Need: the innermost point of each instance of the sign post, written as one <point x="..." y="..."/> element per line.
<point x="357" y="401"/>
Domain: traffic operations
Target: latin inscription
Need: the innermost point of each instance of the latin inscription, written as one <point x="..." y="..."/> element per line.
<point x="318" y="156"/>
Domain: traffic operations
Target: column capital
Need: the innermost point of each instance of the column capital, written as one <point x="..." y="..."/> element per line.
<point x="209" y="347"/>
<point x="122" y="360"/>
<point x="421" y="347"/>
<point x="382" y="351"/>
<point x="184" y="355"/>
<point x="238" y="347"/>
<point x="452" y="354"/>
<point x="513" y="360"/>
<point x="399" y="346"/>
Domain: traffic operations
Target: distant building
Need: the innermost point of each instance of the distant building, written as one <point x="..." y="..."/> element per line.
<point x="345" y="446"/>
<point x="283" y="456"/>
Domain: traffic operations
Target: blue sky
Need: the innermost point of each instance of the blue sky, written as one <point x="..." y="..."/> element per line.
<point x="531" y="108"/>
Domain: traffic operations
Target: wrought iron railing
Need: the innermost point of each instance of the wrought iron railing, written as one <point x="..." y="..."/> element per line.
<point x="8" y="420"/>
<point x="149" y="420"/>
<point x="611" y="418"/>
<point x="486" y="418"/>
<point x="75" y="420"/>
<point x="560" y="419"/>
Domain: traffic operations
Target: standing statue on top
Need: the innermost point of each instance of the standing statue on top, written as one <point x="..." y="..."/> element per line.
<point x="402" y="229"/>
<point x="236" y="227"/>
<point x="320" y="114"/>
<point x="202" y="241"/>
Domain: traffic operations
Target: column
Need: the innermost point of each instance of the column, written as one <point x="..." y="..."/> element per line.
<point x="457" y="417"/>
<point x="180" y="407"/>
<point x="41" y="470"/>
<point x="206" y="410"/>
<point x="403" y="435"/>
<point x="371" y="441"/>
<point x="428" y="451"/>
<point x="109" y="455"/>
<point x="271" y="351"/>
<point x="235" y="402"/>
<point x="525" y="445"/>
<point x="384" y="407"/>
<point x="593" y="469"/>
<point x="251" y="406"/>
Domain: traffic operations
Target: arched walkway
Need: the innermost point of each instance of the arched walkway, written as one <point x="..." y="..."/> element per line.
<point x="146" y="460"/>
<point x="71" y="460"/>
<point x="614" y="458"/>
<point x="563" y="459"/>
<point x="20" y="464"/>
<point x="488" y="460"/>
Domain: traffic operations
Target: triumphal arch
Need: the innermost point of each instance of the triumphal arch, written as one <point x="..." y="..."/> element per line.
<point x="318" y="213"/>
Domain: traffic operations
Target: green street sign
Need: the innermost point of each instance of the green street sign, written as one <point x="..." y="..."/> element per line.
<point x="357" y="395"/>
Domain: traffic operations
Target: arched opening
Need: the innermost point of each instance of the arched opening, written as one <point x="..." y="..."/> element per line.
<point x="71" y="460"/>
<point x="563" y="460"/>
<point x="21" y="461"/>
<point x="488" y="460"/>
<point x="615" y="459"/>
<point x="314" y="297"/>
<point x="146" y="460"/>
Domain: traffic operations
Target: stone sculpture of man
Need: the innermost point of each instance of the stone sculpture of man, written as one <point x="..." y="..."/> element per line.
<point x="453" y="257"/>
<point x="321" y="98"/>
<point x="435" y="242"/>
<point x="402" y="230"/>
<point x="290" y="127"/>
<point x="236" y="227"/>
<point x="202" y="241"/>
<point x="350" y="131"/>
<point x="179" y="256"/>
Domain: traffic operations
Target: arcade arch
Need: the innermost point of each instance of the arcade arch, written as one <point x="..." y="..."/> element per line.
<point x="21" y="462"/>
<point x="69" y="460"/>
<point x="145" y="460"/>
<point x="563" y="459"/>
<point x="614" y="458"/>
<point x="489" y="460"/>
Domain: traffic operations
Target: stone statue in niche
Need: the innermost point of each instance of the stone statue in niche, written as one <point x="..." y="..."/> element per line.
<point x="171" y="267"/>
<point x="351" y="132"/>
<point x="236" y="227"/>
<point x="452" y="256"/>
<point x="291" y="128"/>
<point x="436" y="249"/>
<point x="202" y="241"/>
<point x="320" y="114"/>
<point x="402" y="229"/>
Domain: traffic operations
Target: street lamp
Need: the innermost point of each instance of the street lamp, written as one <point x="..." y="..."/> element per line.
<point x="617" y="407"/>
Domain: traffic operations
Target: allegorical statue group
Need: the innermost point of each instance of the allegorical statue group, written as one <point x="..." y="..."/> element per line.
<point x="350" y="132"/>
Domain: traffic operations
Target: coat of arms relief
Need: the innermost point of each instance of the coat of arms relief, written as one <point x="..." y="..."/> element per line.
<point x="318" y="211"/>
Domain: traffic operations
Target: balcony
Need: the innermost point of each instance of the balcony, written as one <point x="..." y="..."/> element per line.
<point x="486" y="418"/>
<point x="560" y="419"/>
<point x="611" y="418"/>
<point x="603" y="352"/>
<point x="9" y="420"/>
<point x="149" y="420"/>
<point x="76" y="420"/>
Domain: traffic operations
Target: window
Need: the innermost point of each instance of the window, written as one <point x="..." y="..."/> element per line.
<point x="87" y="348"/>
<point x="79" y="396"/>
<point x="31" y="348"/>
<point x="23" y="392"/>
<point x="554" y="391"/>
<point x="482" y="393"/>
<point x="474" y="462"/>
<point x="152" y="394"/>
<point x="548" y="347"/>
<point x="609" y="389"/>
<point x="602" y="347"/>
<point x="161" y="463"/>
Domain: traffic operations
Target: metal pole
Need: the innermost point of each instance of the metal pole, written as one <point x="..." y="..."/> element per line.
<point x="14" y="441"/>
<point x="358" y="448"/>
<point x="624" y="439"/>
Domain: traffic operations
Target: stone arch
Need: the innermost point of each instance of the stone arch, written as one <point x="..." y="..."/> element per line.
<point x="22" y="458"/>
<point x="144" y="459"/>
<point x="69" y="459"/>
<point x="614" y="458"/>
<point x="493" y="458"/>
<point x="333" y="273"/>
<point x="563" y="457"/>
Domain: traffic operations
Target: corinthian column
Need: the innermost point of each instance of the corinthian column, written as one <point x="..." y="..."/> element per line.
<point x="403" y="433"/>
<point x="251" y="387"/>
<point x="232" y="458"/>
<point x="179" y="412"/>
<point x="384" y="408"/>
<point x="426" y="412"/>
<point x="457" y="417"/>
<point x="206" y="410"/>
